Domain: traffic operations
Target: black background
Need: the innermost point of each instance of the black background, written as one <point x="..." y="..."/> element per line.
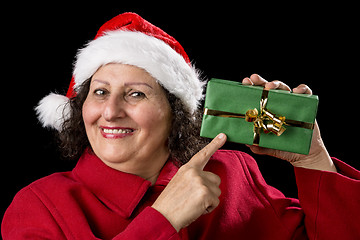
<point x="295" y="43"/>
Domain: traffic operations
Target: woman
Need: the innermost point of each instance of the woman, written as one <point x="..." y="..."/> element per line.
<point x="131" y="116"/>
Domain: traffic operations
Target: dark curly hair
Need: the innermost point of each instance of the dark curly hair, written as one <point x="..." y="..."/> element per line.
<point x="184" y="140"/>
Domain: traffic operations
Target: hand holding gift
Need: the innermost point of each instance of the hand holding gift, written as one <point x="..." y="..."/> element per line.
<point x="318" y="157"/>
<point x="267" y="116"/>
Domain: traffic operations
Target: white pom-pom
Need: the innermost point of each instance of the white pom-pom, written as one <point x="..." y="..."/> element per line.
<point x="52" y="110"/>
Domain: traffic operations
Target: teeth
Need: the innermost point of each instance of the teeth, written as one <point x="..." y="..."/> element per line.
<point x="117" y="131"/>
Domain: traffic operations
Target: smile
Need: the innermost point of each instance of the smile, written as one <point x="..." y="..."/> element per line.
<point x="116" y="132"/>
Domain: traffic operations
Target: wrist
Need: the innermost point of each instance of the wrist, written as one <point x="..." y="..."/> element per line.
<point x="167" y="216"/>
<point x="319" y="161"/>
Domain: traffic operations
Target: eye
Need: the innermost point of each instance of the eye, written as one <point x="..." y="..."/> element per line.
<point x="134" y="96"/>
<point x="137" y="95"/>
<point x="100" y="92"/>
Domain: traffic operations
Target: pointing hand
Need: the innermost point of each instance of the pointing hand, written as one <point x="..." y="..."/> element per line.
<point x="192" y="192"/>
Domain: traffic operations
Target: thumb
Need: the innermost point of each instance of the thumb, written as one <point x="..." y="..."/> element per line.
<point x="200" y="159"/>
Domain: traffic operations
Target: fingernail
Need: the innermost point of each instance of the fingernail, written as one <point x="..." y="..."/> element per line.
<point x="221" y="136"/>
<point x="249" y="82"/>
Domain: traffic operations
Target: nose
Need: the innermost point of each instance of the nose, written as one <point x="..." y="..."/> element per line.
<point x="114" y="108"/>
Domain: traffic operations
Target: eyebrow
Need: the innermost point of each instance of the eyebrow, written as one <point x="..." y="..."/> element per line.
<point x="125" y="84"/>
<point x="101" y="81"/>
<point x="137" y="83"/>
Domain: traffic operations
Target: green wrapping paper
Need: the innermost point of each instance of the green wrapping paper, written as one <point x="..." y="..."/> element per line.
<point x="227" y="103"/>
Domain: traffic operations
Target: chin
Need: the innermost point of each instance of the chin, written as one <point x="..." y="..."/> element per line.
<point x="112" y="154"/>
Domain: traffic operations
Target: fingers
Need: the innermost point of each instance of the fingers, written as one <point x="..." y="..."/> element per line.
<point x="200" y="159"/>
<point x="211" y="178"/>
<point x="211" y="192"/>
<point x="257" y="80"/>
<point x="247" y="81"/>
<point x="277" y="85"/>
<point x="302" y="89"/>
<point x="212" y="206"/>
<point x="261" y="150"/>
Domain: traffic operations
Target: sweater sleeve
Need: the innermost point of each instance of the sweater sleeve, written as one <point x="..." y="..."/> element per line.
<point x="330" y="202"/>
<point x="149" y="224"/>
<point x="29" y="218"/>
<point x="328" y="205"/>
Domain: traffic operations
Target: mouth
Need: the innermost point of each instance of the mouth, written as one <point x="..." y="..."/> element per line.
<point x="116" y="132"/>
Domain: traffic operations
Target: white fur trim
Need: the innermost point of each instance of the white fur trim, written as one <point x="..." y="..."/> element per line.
<point x="52" y="110"/>
<point x="149" y="53"/>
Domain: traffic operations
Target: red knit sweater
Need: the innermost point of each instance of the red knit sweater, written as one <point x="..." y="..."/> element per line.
<point x="96" y="202"/>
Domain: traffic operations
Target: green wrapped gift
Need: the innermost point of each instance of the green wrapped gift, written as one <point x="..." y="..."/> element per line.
<point x="251" y="115"/>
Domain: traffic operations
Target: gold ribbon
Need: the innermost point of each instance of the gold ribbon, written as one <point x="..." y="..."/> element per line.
<point x="265" y="120"/>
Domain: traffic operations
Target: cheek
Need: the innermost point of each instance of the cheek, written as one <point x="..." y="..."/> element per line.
<point x="155" y="118"/>
<point x="90" y="113"/>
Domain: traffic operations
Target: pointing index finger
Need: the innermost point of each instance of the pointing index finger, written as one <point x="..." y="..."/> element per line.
<point x="200" y="159"/>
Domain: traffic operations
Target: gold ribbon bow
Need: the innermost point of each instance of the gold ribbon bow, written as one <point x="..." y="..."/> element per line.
<point x="265" y="120"/>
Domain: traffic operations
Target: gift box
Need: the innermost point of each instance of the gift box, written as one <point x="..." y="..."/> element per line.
<point x="251" y="115"/>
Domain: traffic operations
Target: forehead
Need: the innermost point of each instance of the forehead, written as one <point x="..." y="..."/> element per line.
<point x="122" y="74"/>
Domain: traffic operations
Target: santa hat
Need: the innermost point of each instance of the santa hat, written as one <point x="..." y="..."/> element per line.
<point x="129" y="39"/>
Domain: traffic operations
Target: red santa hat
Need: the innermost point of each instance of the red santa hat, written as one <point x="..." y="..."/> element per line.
<point x="129" y="39"/>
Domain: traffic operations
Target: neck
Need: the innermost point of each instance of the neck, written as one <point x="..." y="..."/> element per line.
<point x="149" y="170"/>
<point x="153" y="179"/>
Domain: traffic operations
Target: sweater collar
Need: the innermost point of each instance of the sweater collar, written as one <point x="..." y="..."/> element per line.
<point x="118" y="190"/>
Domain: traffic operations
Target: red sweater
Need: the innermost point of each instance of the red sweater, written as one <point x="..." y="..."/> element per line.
<point x="96" y="202"/>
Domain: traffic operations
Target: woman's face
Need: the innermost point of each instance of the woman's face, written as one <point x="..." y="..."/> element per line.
<point x="128" y="119"/>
